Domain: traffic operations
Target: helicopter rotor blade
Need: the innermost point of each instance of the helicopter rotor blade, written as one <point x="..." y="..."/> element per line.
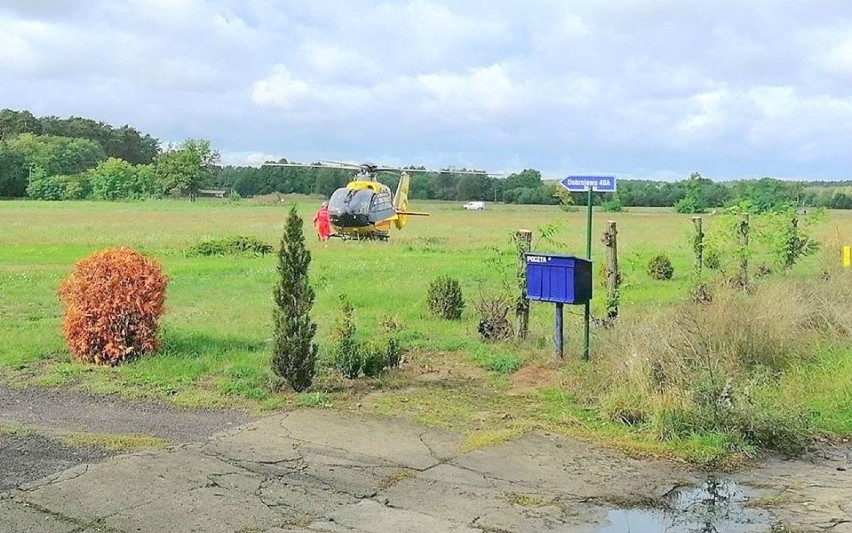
<point x="312" y="165"/>
<point x="340" y="164"/>
<point x="324" y="163"/>
<point x="289" y="165"/>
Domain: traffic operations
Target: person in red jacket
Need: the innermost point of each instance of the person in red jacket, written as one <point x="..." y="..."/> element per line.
<point x="321" y="222"/>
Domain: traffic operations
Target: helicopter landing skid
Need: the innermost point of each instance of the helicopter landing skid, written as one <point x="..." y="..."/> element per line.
<point x="372" y="236"/>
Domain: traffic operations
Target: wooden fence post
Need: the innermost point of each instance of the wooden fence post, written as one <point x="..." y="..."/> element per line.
<point x="698" y="244"/>
<point x="742" y="231"/>
<point x="523" y="243"/>
<point x="613" y="276"/>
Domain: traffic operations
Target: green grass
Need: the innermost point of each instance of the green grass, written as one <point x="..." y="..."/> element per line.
<point x="216" y="334"/>
<point x="113" y="441"/>
<point x="314" y="399"/>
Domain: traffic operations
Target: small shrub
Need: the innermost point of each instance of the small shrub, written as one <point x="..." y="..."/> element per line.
<point x="612" y="205"/>
<point x="354" y="358"/>
<point x="701" y="293"/>
<point x="374" y="354"/>
<point x="238" y="245"/>
<point x="493" y="313"/>
<point x="347" y="353"/>
<point x="712" y="259"/>
<point x="445" y="298"/>
<point x="660" y="268"/>
<point x="348" y="359"/>
<point x="775" y="429"/>
<point x="113" y="300"/>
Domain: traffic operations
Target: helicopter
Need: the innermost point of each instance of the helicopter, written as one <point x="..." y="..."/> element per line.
<point x="366" y="209"/>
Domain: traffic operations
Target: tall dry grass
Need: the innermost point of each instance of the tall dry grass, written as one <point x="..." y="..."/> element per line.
<point x="698" y="368"/>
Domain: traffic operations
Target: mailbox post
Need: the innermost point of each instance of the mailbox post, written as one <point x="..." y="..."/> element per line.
<point x="559" y="279"/>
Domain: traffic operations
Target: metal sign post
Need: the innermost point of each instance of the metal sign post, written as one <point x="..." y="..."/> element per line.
<point x="589" y="184"/>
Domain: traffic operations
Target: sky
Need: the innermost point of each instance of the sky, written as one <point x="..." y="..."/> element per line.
<point x="634" y="88"/>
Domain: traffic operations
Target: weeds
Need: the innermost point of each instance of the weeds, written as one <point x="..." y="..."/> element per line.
<point x="496" y="361"/>
<point x="714" y="368"/>
<point x="313" y="399"/>
<point x="353" y="357"/>
<point x="237" y="245"/>
<point x="493" y="310"/>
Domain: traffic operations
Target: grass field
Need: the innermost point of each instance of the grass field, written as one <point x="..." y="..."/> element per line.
<point x="217" y="330"/>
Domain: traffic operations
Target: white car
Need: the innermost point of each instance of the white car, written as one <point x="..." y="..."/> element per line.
<point x="475" y="206"/>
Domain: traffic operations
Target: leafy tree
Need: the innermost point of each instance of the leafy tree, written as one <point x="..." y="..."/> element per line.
<point x="326" y="181"/>
<point x="613" y="204"/>
<point x="116" y="179"/>
<point x="44" y="187"/>
<point x="112" y="179"/>
<point x="840" y="200"/>
<point x="541" y="195"/>
<point x="57" y="155"/>
<point x="528" y="179"/>
<point x="294" y="355"/>
<point x="474" y="187"/>
<point x="13" y="172"/>
<point x="693" y="202"/>
<point x="788" y="235"/>
<point x="14" y="122"/>
<point x="129" y="144"/>
<point x="767" y="194"/>
<point x="184" y="168"/>
<point x="421" y="187"/>
<point x="125" y="142"/>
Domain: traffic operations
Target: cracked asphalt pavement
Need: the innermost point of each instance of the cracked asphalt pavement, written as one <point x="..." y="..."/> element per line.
<point x="314" y="471"/>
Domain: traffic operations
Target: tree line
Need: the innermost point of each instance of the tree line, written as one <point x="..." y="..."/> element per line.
<point x="53" y="158"/>
<point x="690" y="195"/>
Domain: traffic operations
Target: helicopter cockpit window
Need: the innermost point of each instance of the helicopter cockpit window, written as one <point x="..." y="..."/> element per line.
<point x="382" y="201"/>
<point x="339" y="199"/>
<point x="359" y="203"/>
<point x="382" y="207"/>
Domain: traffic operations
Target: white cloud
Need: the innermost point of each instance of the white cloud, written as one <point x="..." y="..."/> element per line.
<point x="478" y="94"/>
<point x="708" y="119"/>
<point x="280" y="89"/>
<point x="837" y="59"/>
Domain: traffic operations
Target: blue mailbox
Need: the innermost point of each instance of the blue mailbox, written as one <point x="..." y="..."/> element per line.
<point x="561" y="279"/>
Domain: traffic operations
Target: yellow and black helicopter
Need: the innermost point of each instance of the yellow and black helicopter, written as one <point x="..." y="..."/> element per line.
<point x="366" y="208"/>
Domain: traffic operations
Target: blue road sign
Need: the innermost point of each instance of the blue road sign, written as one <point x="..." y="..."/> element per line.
<point x="584" y="183"/>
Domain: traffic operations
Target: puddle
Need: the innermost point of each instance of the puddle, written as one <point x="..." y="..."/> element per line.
<point x="717" y="506"/>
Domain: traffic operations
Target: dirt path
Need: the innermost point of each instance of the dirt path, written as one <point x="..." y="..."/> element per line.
<point x="31" y="419"/>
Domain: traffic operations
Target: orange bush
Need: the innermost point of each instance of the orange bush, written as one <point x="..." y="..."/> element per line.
<point x="113" y="300"/>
